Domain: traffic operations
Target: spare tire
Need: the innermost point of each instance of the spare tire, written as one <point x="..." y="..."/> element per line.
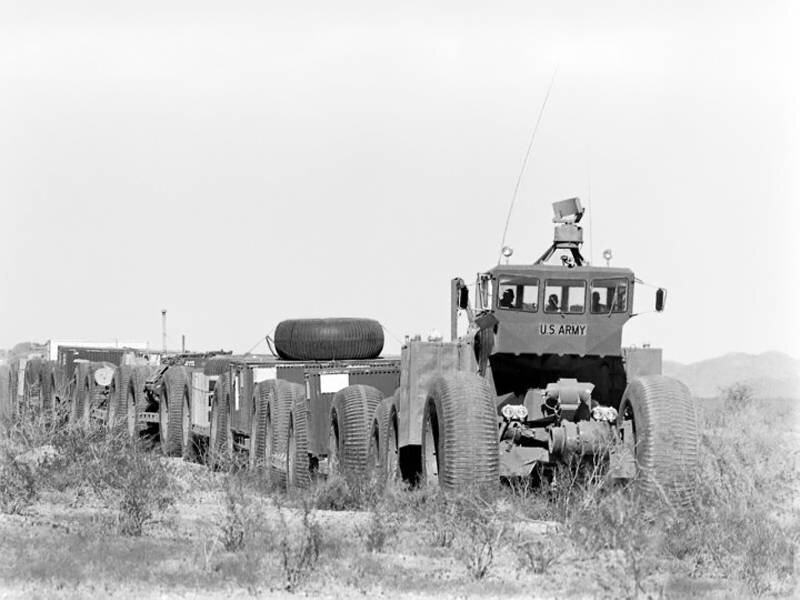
<point x="328" y="339"/>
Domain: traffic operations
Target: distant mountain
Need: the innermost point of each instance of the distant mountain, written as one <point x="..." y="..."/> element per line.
<point x="770" y="375"/>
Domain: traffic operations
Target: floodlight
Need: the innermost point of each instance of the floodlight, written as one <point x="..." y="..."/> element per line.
<point x="608" y="255"/>
<point x="567" y="211"/>
<point x="507" y="251"/>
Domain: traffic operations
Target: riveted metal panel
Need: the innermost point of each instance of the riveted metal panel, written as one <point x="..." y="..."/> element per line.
<point x="386" y="381"/>
<point x="292" y="372"/>
<point x="319" y="406"/>
<point x="202" y="387"/>
<point x="242" y="406"/>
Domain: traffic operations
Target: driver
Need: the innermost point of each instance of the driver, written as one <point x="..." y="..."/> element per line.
<point x="507" y="300"/>
<point x="552" y="304"/>
<point x="596" y="306"/>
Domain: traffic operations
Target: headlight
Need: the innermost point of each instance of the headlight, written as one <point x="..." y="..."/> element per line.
<point x="515" y="412"/>
<point x="604" y="413"/>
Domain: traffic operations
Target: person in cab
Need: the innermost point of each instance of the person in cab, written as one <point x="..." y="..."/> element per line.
<point x="552" y="304"/>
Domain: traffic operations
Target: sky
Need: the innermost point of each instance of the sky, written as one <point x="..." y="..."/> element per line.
<point x="245" y="162"/>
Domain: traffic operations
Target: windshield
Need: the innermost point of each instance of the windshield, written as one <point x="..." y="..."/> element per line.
<point x="517" y="293"/>
<point x="609" y="295"/>
<point x="565" y="296"/>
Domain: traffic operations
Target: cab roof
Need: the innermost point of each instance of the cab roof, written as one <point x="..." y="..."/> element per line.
<point x="582" y="272"/>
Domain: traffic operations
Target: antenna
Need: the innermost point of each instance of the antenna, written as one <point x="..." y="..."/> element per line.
<point x="164" y="329"/>
<point x="591" y="229"/>
<point x="525" y="162"/>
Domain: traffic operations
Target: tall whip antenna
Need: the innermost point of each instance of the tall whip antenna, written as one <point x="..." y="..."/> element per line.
<point x="525" y="163"/>
<point x="591" y="229"/>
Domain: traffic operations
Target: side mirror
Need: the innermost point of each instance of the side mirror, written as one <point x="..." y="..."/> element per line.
<point x="661" y="299"/>
<point x="463" y="298"/>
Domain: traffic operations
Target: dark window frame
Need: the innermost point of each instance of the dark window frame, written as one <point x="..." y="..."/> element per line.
<point x="533" y="281"/>
<point x="564" y="284"/>
<point x="616" y="311"/>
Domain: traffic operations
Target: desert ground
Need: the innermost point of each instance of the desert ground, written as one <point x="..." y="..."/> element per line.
<point x="88" y="514"/>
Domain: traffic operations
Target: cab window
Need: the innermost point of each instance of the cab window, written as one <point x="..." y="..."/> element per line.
<point x="609" y="295"/>
<point x="485" y="292"/>
<point x="516" y="293"/>
<point x="565" y="296"/>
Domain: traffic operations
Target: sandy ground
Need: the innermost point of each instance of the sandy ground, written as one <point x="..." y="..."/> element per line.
<point x="62" y="547"/>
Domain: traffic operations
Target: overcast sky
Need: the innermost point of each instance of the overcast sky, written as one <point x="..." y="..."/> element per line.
<point x="243" y="162"/>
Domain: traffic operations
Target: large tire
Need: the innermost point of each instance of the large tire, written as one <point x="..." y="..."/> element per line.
<point x="32" y="391"/>
<point x="6" y="405"/>
<point x="262" y="434"/>
<point x="392" y="468"/>
<point x="352" y="411"/>
<point x="220" y="441"/>
<point x="13" y="391"/>
<point x="282" y="405"/>
<point x="328" y="339"/>
<point x="111" y="398"/>
<point x="459" y="433"/>
<point x="81" y="397"/>
<point x="666" y="434"/>
<point x="51" y="398"/>
<point x="102" y="397"/>
<point x="124" y="393"/>
<point x="132" y="397"/>
<point x="176" y="437"/>
<point x="298" y="466"/>
<point x="379" y="442"/>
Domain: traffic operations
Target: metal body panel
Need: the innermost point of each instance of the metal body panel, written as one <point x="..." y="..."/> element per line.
<point x="642" y="361"/>
<point x="242" y="407"/>
<point x="53" y="346"/>
<point x="68" y="355"/>
<point x="323" y="384"/>
<point x="202" y="389"/>
<point x="540" y="332"/>
<point x="420" y="363"/>
<point x="519" y="461"/>
<point x="321" y="380"/>
<point x="518" y="373"/>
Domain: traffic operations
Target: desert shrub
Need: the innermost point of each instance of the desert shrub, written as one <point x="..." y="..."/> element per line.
<point x="121" y="472"/>
<point x="235" y="505"/>
<point x="466" y="521"/>
<point x="334" y="494"/>
<point x="748" y="525"/>
<point x="381" y="527"/>
<point x="346" y="493"/>
<point x="143" y="492"/>
<point x="539" y="555"/>
<point x="480" y="537"/>
<point x="299" y="546"/>
<point x="530" y="498"/>
<point x="242" y="523"/>
<point x="18" y="488"/>
<point x="737" y="396"/>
